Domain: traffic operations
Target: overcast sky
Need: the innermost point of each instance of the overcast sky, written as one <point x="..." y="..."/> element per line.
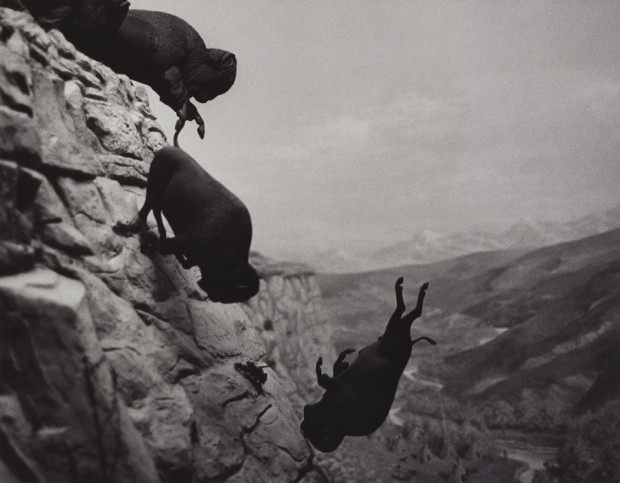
<point x="355" y="124"/>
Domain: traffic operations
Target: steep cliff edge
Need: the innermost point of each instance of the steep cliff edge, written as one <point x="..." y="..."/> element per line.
<point x="289" y="315"/>
<point x="113" y="367"/>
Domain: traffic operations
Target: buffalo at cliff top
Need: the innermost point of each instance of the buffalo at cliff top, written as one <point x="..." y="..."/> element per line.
<point x="84" y="22"/>
<point x="166" y="53"/>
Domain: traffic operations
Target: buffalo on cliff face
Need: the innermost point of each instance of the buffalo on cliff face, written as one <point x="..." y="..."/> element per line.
<point x="358" y="397"/>
<point x="212" y="227"/>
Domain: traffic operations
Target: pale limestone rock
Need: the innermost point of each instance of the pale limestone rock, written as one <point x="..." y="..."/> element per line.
<point x="16" y="43"/>
<point x="133" y="373"/>
<point x="60" y="375"/>
<point x="83" y="197"/>
<point x="63" y="234"/>
<point x="125" y="170"/>
<point x="292" y="323"/>
<point x="122" y="205"/>
<point x="73" y="95"/>
<point x="15" y="82"/>
<point x="19" y="137"/>
<point x="115" y="127"/>
<point x="57" y="129"/>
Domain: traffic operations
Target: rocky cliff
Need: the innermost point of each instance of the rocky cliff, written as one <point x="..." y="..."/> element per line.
<point x="289" y="315"/>
<point x="113" y="367"/>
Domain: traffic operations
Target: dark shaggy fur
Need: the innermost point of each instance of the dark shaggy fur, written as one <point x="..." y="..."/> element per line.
<point x="166" y="53"/>
<point x="212" y="226"/>
<point x="359" y="396"/>
<point x="84" y="22"/>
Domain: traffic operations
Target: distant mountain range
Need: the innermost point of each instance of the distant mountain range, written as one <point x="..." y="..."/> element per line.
<point x="429" y="246"/>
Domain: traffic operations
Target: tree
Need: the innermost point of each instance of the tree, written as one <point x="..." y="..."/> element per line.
<point x="591" y="453"/>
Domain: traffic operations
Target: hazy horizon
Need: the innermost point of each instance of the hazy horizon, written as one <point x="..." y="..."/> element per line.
<point x="357" y="124"/>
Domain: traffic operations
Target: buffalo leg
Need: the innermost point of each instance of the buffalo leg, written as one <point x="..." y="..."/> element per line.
<point x="340" y="364"/>
<point x="394" y="321"/>
<point x="416" y="313"/>
<point x="171" y="246"/>
<point x="398" y="328"/>
<point x="160" y="222"/>
<point x="324" y="380"/>
<point x="160" y="174"/>
<point x="188" y="112"/>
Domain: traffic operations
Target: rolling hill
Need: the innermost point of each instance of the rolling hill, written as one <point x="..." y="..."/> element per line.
<point x="547" y="320"/>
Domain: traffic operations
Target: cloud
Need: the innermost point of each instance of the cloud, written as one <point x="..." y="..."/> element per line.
<point x="421" y="115"/>
<point x="506" y="146"/>
<point x="410" y="125"/>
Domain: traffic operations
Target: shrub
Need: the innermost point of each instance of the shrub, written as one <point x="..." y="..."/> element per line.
<point x="591" y="452"/>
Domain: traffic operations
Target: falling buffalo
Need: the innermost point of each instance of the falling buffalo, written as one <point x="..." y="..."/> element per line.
<point x="359" y="396"/>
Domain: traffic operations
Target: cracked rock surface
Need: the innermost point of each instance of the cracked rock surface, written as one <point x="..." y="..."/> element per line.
<point x="289" y="315"/>
<point x="113" y="366"/>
